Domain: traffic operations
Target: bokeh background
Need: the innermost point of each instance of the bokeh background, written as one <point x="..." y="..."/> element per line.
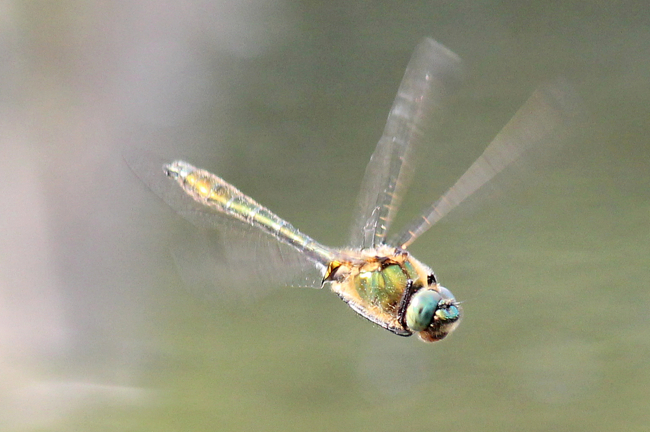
<point x="286" y="100"/>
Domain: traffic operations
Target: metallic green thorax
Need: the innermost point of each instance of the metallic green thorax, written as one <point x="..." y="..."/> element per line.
<point x="384" y="287"/>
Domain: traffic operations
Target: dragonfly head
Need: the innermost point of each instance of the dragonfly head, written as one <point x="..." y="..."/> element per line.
<point x="433" y="312"/>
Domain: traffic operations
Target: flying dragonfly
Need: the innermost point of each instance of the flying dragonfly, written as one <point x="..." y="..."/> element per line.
<point x="376" y="276"/>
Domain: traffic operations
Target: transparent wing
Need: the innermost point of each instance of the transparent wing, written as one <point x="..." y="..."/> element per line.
<point x="239" y="265"/>
<point x="541" y="121"/>
<point x="431" y="75"/>
<point x="226" y="253"/>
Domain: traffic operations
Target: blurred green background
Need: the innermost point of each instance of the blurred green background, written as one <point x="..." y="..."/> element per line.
<point x="286" y="100"/>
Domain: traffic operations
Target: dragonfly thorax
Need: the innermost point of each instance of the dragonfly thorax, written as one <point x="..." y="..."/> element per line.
<point x="391" y="288"/>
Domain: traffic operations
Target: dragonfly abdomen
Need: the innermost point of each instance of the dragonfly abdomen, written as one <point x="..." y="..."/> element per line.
<point x="213" y="191"/>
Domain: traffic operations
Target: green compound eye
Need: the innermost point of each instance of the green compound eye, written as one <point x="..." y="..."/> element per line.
<point x="422" y="308"/>
<point x="448" y="313"/>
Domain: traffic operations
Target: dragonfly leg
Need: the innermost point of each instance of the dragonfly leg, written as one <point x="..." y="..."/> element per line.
<point x="404" y="302"/>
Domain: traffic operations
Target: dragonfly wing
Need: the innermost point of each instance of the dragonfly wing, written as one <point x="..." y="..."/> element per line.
<point x="240" y="255"/>
<point x="238" y="264"/>
<point x="543" y="120"/>
<point x="431" y="75"/>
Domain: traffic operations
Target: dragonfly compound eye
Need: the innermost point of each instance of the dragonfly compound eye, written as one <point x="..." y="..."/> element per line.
<point x="422" y="308"/>
<point x="445" y="293"/>
<point x="448" y="309"/>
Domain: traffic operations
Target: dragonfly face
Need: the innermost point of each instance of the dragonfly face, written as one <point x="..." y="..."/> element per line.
<point x="376" y="277"/>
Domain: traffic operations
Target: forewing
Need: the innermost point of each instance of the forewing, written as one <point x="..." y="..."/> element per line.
<point x="431" y="75"/>
<point x="224" y="253"/>
<point x="542" y="121"/>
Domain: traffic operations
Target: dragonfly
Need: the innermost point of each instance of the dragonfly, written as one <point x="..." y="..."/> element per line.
<point x="375" y="275"/>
